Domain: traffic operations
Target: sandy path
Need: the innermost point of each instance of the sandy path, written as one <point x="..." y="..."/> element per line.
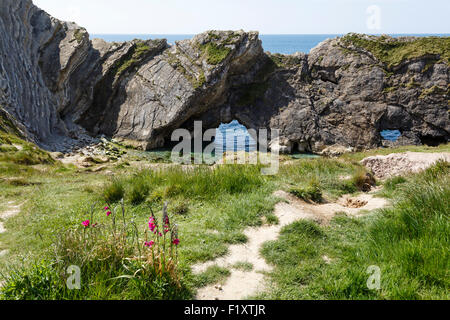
<point x="242" y="284"/>
<point x="9" y="213"/>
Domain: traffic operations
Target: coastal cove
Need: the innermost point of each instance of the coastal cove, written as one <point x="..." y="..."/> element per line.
<point x="226" y="165"/>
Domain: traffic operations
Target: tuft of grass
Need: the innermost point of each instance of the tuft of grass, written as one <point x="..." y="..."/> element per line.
<point x="8" y="129"/>
<point x="363" y="180"/>
<point x="79" y="35"/>
<point x="204" y="183"/>
<point x="212" y="275"/>
<point x="180" y="208"/>
<point x="15" y="150"/>
<point x="285" y="61"/>
<point x="243" y="266"/>
<point x="139" y="189"/>
<point x="325" y="172"/>
<point x="312" y="192"/>
<point x="392" y="185"/>
<point x="114" y="191"/>
<point x="19" y="182"/>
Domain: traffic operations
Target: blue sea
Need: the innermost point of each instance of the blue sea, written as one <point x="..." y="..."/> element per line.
<point x="234" y="137"/>
<point x="391" y="135"/>
<point x="284" y="43"/>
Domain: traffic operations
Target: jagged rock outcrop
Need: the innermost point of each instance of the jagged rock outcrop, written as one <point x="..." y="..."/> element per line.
<point x="64" y="88"/>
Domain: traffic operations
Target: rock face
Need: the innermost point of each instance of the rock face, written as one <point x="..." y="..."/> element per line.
<point x="64" y="88"/>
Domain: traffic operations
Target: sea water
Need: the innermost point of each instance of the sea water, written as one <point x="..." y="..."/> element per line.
<point x="235" y="137"/>
<point x="274" y="43"/>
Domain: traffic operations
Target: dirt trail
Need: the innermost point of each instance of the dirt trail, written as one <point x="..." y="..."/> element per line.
<point x="242" y="284"/>
<point x="11" y="211"/>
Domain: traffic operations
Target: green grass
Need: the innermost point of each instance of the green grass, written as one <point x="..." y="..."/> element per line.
<point x="285" y="61"/>
<point x="212" y="206"/>
<point x="394" y="51"/>
<point x="14" y="150"/>
<point x="215" y="53"/>
<point x="324" y="175"/>
<point x="310" y="193"/>
<point x="79" y="35"/>
<point x="139" y="52"/>
<point x="408" y="242"/>
<point x="358" y="156"/>
<point x="114" y="191"/>
<point x="243" y="266"/>
<point x="212" y="275"/>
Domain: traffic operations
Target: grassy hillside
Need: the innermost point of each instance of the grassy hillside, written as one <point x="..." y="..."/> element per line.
<point x="409" y="243"/>
<point x="211" y="207"/>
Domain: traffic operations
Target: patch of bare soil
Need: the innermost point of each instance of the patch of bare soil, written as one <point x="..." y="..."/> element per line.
<point x="243" y="284"/>
<point x="9" y="213"/>
<point x="398" y="164"/>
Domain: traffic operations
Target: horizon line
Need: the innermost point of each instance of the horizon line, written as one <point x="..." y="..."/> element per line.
<point x="274" y="34"/>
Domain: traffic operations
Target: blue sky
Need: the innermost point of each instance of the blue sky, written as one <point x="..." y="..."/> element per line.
<point x="266" y="16"/>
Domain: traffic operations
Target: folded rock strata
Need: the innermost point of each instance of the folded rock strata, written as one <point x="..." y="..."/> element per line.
<point x="62" y="88"/>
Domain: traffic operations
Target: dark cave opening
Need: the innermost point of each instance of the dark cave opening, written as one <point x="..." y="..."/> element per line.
<point x="432" y="141"/>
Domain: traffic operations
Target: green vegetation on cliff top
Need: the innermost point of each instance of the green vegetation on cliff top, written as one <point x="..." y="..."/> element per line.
<point x="138" y="52"/>
<point x="215" y="53"/>
<point x="393" y="52"/>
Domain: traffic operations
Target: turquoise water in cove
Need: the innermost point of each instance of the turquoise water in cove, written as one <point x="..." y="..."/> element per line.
<point x="234" y="137"/>
<point x="391" y="135"/>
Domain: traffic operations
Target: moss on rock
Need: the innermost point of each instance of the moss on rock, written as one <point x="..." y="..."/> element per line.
<point x="392" y="52"/>
<point x="215" y="53"/>
<point x="139" y="51"/>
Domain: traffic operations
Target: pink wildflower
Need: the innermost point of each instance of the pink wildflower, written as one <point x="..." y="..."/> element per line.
<point x="108" y="213"/>
<point x="106" y="208"/>
<point x="149" y="244"/>
<point x="152" y="225"/>
<point x="86" y="223"/>
<point x="176" y="242"/>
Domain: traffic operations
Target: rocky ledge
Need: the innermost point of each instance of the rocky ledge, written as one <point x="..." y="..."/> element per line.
<point x="62" y="89"/>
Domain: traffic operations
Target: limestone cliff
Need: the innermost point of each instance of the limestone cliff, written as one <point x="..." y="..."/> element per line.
<point x="62" y="88"/>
